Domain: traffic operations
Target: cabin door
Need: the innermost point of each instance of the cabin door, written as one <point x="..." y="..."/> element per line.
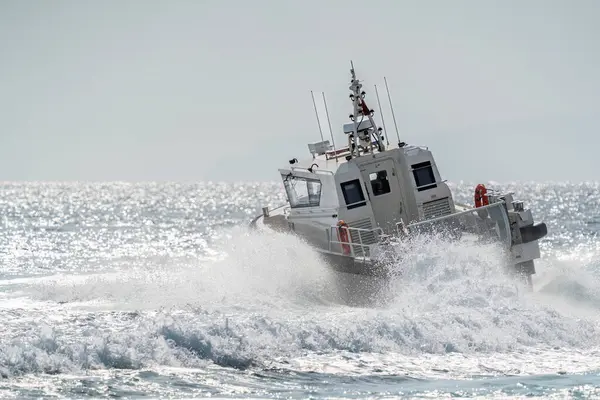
<point x="381" y="181"/>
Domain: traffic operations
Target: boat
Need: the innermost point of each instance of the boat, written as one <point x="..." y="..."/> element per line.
<point x="353" y="202"/>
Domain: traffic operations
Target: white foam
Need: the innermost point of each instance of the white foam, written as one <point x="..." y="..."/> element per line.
<point x="270" y="299"/>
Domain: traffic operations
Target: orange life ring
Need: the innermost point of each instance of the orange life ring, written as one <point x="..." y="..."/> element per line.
<point x="481" y="198"/>
<point x="343" y="236"/>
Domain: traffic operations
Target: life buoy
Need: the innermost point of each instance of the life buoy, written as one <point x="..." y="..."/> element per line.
<point x="343" y="236"/>
<point x="480" y="196"/>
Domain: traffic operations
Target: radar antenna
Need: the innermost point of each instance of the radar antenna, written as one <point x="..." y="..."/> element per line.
<point x="365" y="135"/>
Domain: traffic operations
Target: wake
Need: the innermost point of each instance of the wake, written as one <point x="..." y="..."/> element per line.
<point x="268" y="299"/>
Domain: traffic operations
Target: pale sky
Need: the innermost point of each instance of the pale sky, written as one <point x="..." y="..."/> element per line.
<point x="220" y="90"/>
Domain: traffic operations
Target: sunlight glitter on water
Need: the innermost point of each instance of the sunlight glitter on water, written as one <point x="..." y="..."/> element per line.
<point x="135" y="287"/>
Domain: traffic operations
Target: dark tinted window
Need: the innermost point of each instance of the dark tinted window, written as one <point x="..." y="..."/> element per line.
<point x="379" y="182"/>
<point x="353" y="194"/>
<point x="423" y="173"/>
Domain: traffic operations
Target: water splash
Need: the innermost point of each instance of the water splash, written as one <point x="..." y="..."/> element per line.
<point x="270" y="298"/>
<point x="154" y="283"/>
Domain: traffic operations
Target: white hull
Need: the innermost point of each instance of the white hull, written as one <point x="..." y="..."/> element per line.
<point x="349" y="202"/>
<point x="380" y="267"/>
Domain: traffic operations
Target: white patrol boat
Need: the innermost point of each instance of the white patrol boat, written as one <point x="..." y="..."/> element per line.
<point x="349" y="203"/>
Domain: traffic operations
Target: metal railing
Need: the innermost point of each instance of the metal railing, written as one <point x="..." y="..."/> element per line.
<point x="360" y="249"/>
<point x="488" y="222"/>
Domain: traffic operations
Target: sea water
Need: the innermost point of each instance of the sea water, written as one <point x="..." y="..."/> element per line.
<point x="161" y="290"/>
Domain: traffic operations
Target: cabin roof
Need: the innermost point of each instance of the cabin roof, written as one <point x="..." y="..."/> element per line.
<point x="328" y="161"/>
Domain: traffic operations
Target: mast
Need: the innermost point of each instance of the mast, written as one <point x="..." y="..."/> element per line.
<point x="364" y="137"/>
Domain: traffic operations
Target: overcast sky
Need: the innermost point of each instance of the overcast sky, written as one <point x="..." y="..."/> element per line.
<point x="220" y="90"/>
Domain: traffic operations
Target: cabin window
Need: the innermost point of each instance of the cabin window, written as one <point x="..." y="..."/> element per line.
<point x="353" y="194"/>
<point x="302" y="192"/>
<point x="379" y="183"/>
<point x="424" y="178"/>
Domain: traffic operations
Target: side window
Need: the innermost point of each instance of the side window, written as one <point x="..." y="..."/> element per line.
<point x="379" y="182"/>
<point x="353" y="194"/>
<point x="314" y="191"/>
<point x="302" y="192"/>
<point x="423" y="173"/>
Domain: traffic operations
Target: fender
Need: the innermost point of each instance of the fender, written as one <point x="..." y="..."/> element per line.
<point x="343" y="236"/>
<point x="481" y="198"/>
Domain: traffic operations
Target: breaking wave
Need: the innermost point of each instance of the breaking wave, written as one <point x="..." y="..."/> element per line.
<point x="268" y="301"/>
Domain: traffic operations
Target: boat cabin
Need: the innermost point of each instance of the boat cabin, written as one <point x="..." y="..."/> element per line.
<point x="368" y="184"/>
<point x="376" y="190"/>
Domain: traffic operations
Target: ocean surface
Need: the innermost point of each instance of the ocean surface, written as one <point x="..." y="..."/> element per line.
<point x="161" y="290"/>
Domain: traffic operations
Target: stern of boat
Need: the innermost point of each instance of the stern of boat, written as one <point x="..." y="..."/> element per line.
<point x="516" y="228"/>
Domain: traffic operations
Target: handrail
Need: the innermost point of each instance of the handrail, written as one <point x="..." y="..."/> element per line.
<point x="352" y="245"/>
<point x="477" y="210"/>
<point x="314" y="171"/>
<point x="376" y="232"/>
<point x="312" y="213"/>
<point x="337" y="153"/>
<point x="456" y="214"/>
<point x="416" y="147"/>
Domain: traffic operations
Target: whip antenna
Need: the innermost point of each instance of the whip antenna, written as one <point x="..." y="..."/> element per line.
<point x="317" y="114"/>
<point x="392" y="108"/>
<point x="329" y="122"/>
<point x="387" y="140"/>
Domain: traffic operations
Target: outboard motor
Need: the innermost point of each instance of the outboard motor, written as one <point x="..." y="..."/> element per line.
<point x="524" y="235"/>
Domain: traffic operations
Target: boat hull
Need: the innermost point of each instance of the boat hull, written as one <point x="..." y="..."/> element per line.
<point x="354" y="265"/>
<point x="365" y="271"/>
